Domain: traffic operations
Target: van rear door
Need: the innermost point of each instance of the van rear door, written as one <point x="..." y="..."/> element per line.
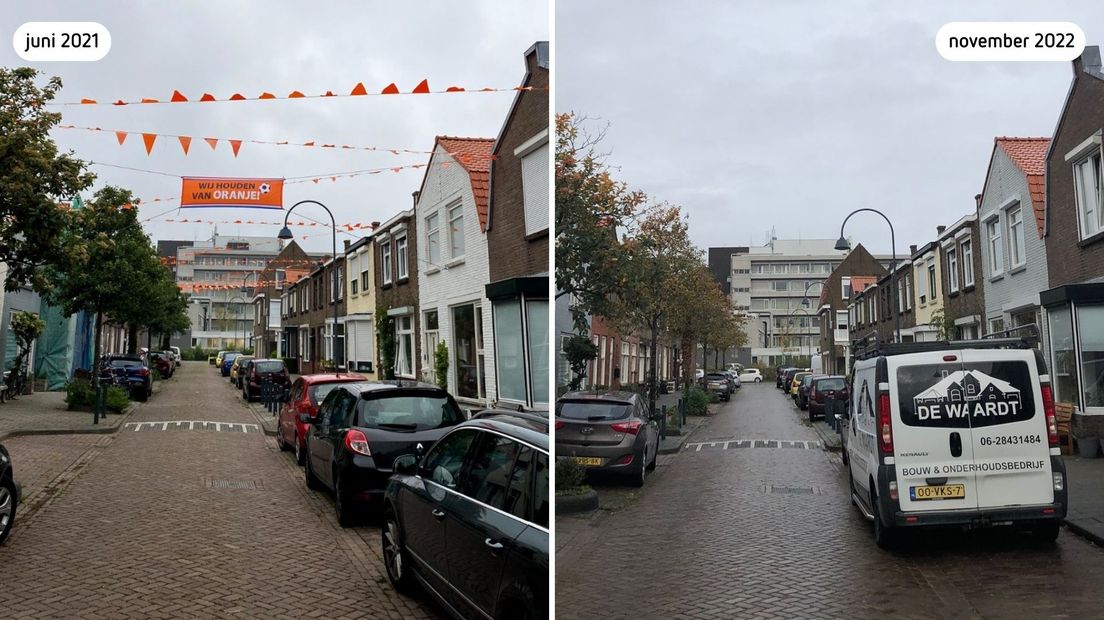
<point x="1011" y="446"/>
<point x="932" y="446"/>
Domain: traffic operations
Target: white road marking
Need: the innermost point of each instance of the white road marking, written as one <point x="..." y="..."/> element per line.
<point x="754" y="443"/>
<point x="205" y="425"/>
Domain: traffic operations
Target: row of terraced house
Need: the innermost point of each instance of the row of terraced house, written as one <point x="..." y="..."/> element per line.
<point x="1026" y="260"/>
<point x="464" y="265"/>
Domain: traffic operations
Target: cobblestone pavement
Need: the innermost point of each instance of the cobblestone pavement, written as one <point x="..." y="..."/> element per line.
<point x="145" y="531"/>
<point x="46" y="412"/>
<point x="39" y="460"/>
<point x="769" y="532"/>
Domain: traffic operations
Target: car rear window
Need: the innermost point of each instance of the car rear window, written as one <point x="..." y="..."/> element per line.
<point x="406" y="411"/>
<point x="950" y="396"/>
<point x="125" y="363"/>
<point x="830" y="384"/>
<point x="716" y="376"/>
<point x="268" y="366"/>
<point x="593" y="411"/>
<point x="318" y="391"/>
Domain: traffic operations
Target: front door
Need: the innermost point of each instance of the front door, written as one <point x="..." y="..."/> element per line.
<point x="932" y="443"/>
<point x="1011" y="443"/>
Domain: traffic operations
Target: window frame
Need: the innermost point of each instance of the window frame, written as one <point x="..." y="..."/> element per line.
<point x="385" y="262"/>
<point x="967" y="248"/>
<point x="1085" y="228"/>
<point x="995" y="243"/>
<point x="455" y="213"/>
<point x="433" y="238"/>
<point x="1016" y="250"/>
<point x="401" y="257"/>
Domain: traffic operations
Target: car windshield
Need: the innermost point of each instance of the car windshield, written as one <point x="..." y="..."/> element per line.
<point x="831" y="384"/>
<point x="268" y="366"/>
<point x="125" y="363"/>
<point x="406" y="411"/>
<point x="594" y="410"/>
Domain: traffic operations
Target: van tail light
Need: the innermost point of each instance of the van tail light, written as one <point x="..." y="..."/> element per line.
<point x="1051" y="421"/>
<point x="885" y="426"/>
<point x="631" y="428"/>
<point x="355" y="441"/>
<point x="560" y="424"/>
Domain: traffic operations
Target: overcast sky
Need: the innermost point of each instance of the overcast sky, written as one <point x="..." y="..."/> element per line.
<point x="281" y="46"/>
<point x="789" y="115"/>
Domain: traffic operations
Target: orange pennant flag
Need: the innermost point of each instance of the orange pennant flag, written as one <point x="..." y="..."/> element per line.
<point x="236" y="97"/>
<point x="422" y="88"/>
<point x="390" y="89"/>
<point x="267" y="96"/>
<point x="454" y="89"/>
<point x="207" y="97"/>
<point x="88" y="101"/>
<point x="295" y="95"/>
<point x="334" y="179"/>
<point x="149" y="139"/>
<point x="119" y="102"/>
<point x="147" y="100"/>
<point x="121" y="135"/>
<point x="235" y="144"/>
<point x="359" y="89"/>
<point x="315" y="181"/>
<point x="212" y="142"/>
<point x="185" y="143"/>
<point x="329" y="93"/>
<point x="177" y="97"/>
<point x="327" y="146"/>
<point x="311" y="143"/>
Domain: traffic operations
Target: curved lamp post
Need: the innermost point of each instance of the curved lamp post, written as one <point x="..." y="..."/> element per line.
<point x="804" y="335"/>
<point x="256" y="275"/>
<point x="285" y="234"/>
<point x="843" y="244"/>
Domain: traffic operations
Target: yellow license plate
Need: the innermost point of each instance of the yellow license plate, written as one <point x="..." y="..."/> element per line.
<point x="942" y="491"/>
<point x="588" y="460"/>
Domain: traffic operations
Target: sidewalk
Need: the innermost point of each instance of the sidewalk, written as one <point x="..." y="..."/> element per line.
<point x="44" y="413"/>
<point x="1085" y="515"/>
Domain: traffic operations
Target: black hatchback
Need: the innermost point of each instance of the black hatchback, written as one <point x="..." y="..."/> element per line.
<point x="360" y="429"/>
<point x="469" y="520"/>
<point x="9" y="495"/>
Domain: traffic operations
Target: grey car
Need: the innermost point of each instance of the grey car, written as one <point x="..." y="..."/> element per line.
<point x="607" y="432"/>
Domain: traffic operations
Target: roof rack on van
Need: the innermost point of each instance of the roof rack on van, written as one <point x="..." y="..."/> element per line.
<point x="901" y="348"/>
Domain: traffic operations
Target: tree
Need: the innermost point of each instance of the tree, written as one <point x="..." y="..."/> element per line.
<point x="579" y="351"/>
<point x="33" y="177"/>
<point x="944" y="323"/>
<point x="695" y="303"/>
<point x="104" y="264"/>
<point x="26" y="327"/>
<point x="591" y="207"/>
<point x="441" y="365"/>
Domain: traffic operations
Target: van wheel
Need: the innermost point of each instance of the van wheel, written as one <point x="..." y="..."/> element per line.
<point x="1046" y="531"/>
<point x="887" y="538"/>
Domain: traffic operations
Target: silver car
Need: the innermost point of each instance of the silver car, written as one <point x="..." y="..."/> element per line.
<point x="607" y="432"/>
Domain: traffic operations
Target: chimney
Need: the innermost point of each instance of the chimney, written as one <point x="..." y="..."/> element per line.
<point x="939" y="229"/>
<point x="912" y="249"/>
<point x="346" y="244"/>
<point x="1090" y="61"/>
<point x="375" y="225"/>
<point x="416" y="194"/>
<point x="977" y="200"/>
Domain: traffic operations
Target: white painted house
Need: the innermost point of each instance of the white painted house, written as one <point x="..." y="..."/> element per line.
<point x="451" y="214"/>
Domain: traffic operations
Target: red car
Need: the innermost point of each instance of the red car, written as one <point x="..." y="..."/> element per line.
<point x="307" y="393"/>
<point x="823" y="388"/>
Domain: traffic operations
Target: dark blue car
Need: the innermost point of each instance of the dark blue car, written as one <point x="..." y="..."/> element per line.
<point x="129" y="371"/>
<point x="227" y="362"/>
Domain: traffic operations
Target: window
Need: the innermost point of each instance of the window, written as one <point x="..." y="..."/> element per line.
<point x="952" y="266"/>
<point x="540" y="490"/>
<point x="967" y="264"/>
<point x="489" y="472"/>
<point x="431" y="336"/>
<point x="1090" y="326"/>
<point x="445" y="460"/>
<point x="366" y="278"/>
<point x="921" y="286"/>
<point x="1015" y="237"/>
<point x="400" y="256"/>
<point x="353" y="287"/>
<point x="841" y="320"/>
<point x="996" y="247"/>
<point x="467" y="345"/>
<point x="534" y="187"/>
<point x="846" y="281"/>
<point x="338" y="292"/>
<point x="433" y="239"/>
<point x="404" y="336"/>
<point x="1090" y="201"/>
<point x="780" y="286"/>
<point x="385" y="262"/>
<point x="932" y="283"/>
<point x="908" y="291"/>
<point x="456" y="231"/>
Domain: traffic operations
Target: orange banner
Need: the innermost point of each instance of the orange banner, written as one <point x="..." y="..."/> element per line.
<point x="223" y="192"/>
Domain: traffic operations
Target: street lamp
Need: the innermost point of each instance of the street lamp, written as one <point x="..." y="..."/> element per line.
<point x="843" y="244"/>
<point x="285" y="234"/>
<point x="807" y="316"/>
<point x="245" y="287"/>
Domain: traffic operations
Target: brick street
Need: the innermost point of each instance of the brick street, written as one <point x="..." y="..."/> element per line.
<point x="174" y="522"/>
<point x="743" y="530"/>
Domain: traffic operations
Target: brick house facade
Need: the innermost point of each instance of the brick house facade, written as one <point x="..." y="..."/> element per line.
<point x="289" y="265"/>
<point x="397" y="293"/>
<point x="835" y="294"/>
<point x="964" y="300"/>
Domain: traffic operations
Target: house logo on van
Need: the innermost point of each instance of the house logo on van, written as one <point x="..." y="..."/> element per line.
<point x="970" y="394"/>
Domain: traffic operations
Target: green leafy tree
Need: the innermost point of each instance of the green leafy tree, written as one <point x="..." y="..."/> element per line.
<point x="441" y="365"/>
<point x="27" y="327"/>
<point x="34" y="177"/>
<point x="385" y="340"/>
<point x="579" y="351"/>
<point x="944" y="323"/>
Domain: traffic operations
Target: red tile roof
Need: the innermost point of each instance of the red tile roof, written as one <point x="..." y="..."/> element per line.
<point x="474" y="154"/>
<point x="1029" y="155"/>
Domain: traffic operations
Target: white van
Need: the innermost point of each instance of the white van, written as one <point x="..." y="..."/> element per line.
<point x="954" y="434"/>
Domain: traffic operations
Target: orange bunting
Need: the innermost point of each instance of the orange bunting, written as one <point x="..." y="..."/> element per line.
<point x="207" y="97"/>
<point x="315" y="181"/>
<point x="311" y="143"/>
<point x="422" y="88"/>
<point x="121" y="136"/>
<point x="185" y="143"/>
<point x="329" y="93"/>
<point x="390" y="89"/>
<point x="359" y="90"/>
<point x="119" y="102"/>
<point x="267" y="96"/>
<point x="235" y="145"/>
<point x="237" y="97"/>
<point x="454" y="89"/>
<point x="88" y="101"/>
<point x="149" y="139"/>
<point x="177" y="97"/>
<point x="145" y="100"/>
<point x="212" y="141"/>
<point x="295" y="95"/>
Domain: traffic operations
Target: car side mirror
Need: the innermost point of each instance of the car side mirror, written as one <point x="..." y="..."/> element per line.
<point x="406" y="464"/>
<point x="306" y="418"/>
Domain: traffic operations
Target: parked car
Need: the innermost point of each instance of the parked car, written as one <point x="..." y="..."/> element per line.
<point x="750" y="375"/>
<point x="824" y="389"/>
<point x="796" y="383"/>
<point x="228" y="362"/>
<point x="9" y="495"/>
<point x="718" y="383"/>
<point x="734" y="379"/>
<point x="780" y="376"/>
<point x="360" y="429"/>
<point x="607" y="432"/>
<point x="306" y="394"/>
<point x="259" y="371"/>
<point x="236" y="367"/>
<point x="177" y="355"/>
<point x="163" y="363"/>
<point x="803" y="388"/>
<point x="698" y="374"/>
<point x="787" y="379"/>
<point x="129" y="371"/>
<point x="469" y="520"/>
<point x="962" y="436"/>
<point x="218" y="359"/>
